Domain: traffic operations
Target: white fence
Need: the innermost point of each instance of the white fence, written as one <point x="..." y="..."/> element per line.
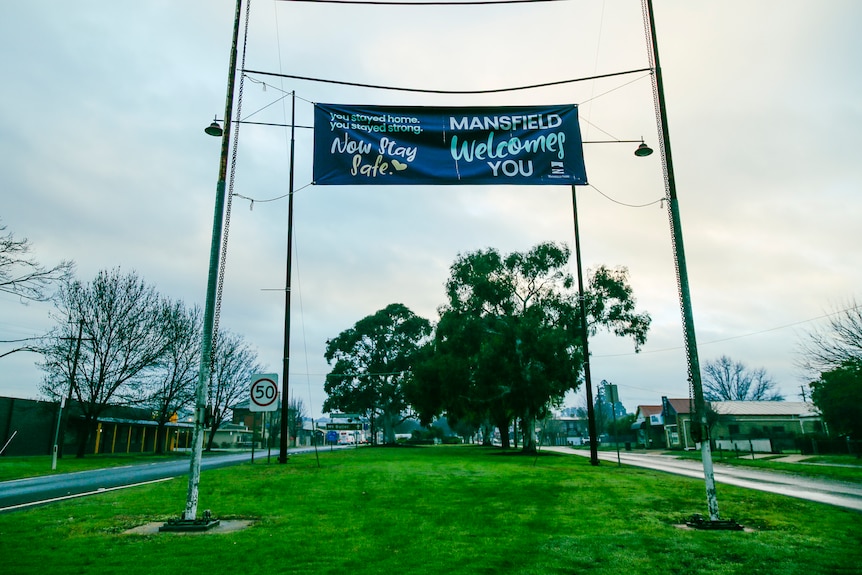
<point x="761" y="445"/>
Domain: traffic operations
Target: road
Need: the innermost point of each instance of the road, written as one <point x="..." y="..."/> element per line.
<point x="838" y="493"/>
<point x="23" y="493"/>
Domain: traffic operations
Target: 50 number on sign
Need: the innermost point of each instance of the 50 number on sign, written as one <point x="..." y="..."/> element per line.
<point x="264" y="392"/>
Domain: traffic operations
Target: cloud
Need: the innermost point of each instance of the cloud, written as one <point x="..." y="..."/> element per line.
<point x="104" y="161"/>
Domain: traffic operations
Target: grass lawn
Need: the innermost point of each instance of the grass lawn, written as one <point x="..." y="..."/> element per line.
<point x="435" y="510"/>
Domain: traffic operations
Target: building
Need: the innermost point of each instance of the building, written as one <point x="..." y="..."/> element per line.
<point x="676" y="415"/>
<point x="763" y="426"/>
<point x="29" y="427"/>
<point x="649" y="427"/>
<point x="565" y="431"/>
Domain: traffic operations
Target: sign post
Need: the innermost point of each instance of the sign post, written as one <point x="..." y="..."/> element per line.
<point x="263" y="397"/>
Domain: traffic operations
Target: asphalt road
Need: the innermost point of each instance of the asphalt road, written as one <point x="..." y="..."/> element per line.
<point x="23" y="493"/>
<point x="838" y="493"/>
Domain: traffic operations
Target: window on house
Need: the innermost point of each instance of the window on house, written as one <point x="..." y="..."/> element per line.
<point x="733" y="429"/>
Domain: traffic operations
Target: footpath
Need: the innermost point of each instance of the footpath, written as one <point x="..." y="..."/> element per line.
<point x="838" y="493"/>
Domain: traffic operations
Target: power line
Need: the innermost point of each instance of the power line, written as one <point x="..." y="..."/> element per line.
<point x="448" y="92"/>
<point x="660" y="200"/>
<point x="776" y="328"/>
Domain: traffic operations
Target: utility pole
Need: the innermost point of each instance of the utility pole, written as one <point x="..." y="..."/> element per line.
<point x="285" y="383"/>
<point x="699" y="425"/>
<point x="585" y="338"/>
<point x="60" y="432"/>
<point x="189" y="519"/>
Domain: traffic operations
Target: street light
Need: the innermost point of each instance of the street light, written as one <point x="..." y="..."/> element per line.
<point x="642" y="151"/>
<point x="214" y="129"/>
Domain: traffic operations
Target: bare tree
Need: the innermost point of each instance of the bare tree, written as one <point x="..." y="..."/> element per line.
<point x="728" y="380"/>
<point x="830" y="346"/>
<point x="24" y="277"/>
<point x="234" y="362"/>
<point x="120" y="319"/>
<point x="171" y="385"/>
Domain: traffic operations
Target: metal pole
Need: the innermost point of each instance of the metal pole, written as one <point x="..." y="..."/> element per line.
<point x="285" y="398"/>
<point x="700" y="424"/>
<point x="60" y="433"/>
<point x="591" y="414"/>
<point x="190" y="512"/>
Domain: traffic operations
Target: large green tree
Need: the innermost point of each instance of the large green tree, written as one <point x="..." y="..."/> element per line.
<point x="508" y="343"/>
<point x="371" y="363"/>
<point x="838" y="395"/>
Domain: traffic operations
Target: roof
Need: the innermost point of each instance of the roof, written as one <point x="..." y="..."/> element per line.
<point x="797" y="408"/>
<point x="147" y="422"/>
<point x="680" y="406"/>
<point x="648" y="410"/>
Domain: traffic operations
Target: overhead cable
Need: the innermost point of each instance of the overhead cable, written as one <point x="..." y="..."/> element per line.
<point x="450" y="92"/>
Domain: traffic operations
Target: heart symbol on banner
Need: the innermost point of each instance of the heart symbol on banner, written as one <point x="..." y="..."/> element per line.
<point x="398" y="165"/>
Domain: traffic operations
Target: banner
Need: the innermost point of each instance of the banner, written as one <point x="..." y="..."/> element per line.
<point x="391" y="145"/>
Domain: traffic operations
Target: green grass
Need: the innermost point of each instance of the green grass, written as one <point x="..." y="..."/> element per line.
<point x="452" y="510"/>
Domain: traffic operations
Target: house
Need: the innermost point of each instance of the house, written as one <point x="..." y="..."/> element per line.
<point x="565" y="431"/>
<point x="232" y="436"/>
<point x="765" y="426"/>
<point x="649" y="426"/>
<point x="759" y="426"/>
<point x="676" y="415"/>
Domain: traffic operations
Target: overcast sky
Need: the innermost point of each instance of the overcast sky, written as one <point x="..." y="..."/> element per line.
<point x="103" y="160"/>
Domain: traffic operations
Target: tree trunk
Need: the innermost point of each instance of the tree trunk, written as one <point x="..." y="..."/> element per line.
<point x="88" y="429"/>
<point x="503" y="426"/>
<point x="388" y="429"/>
<point x="160" y="434"/>
<point x="528" y="428"/>
<point x="487" y="433"/>
<point x="211" y="438"/>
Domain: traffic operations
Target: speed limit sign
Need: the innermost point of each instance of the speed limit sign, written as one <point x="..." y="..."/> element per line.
<point x="264" y="392"/>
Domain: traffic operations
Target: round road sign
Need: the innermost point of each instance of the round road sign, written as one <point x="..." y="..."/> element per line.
<point x="264" y="392"/>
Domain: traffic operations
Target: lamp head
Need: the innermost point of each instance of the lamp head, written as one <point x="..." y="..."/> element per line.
<point x="643" y="150"/>
<point x="215" y="130"/>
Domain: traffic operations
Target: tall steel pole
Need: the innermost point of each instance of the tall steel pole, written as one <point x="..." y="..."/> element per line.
<point x="190" y="513"/>
<point x="699" y="426"/>
<point x="585" y="338"/>
<point x="285" y="384"/>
